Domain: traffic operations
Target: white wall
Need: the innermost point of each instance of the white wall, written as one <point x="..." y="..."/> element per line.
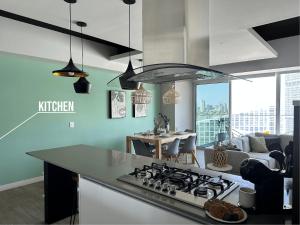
<point x="163" y="31"/>
<point x="197" y="30"/>
<point x="184" y="109"/>
<point x="21" y="38"/>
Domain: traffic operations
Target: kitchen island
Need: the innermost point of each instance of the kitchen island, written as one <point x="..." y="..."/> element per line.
<point x="102" y="197"/>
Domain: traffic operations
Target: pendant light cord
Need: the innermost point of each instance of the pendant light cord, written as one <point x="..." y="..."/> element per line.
<point x="81" y="49"/>
<point x="70" y="12"/>
<point x="129" y="39"/>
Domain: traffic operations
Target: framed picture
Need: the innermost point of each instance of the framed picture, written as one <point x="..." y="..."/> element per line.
<point x="117" y="101"/>
<point x="139" y="110"/>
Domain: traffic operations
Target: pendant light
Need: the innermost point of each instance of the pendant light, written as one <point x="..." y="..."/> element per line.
<point x="141" y="96"/>
<point x="82" y="86"/>
<point x="171" y="96"/>
<point x="70" y="70"/>
<point x="129" y="73"/>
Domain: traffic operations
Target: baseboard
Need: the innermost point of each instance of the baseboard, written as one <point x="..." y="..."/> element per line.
<point x="21" y="183"/>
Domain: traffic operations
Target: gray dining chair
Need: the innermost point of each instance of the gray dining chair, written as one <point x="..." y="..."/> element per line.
<point x="189" y="147"/>
<point x="172" y="150"/>
<point x="141" y="149"/>
<point x="183" y="140"/>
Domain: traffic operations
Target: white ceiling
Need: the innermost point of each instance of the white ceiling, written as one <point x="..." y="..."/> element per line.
<point x="231" y="37"/>
<point x="106" y="19"/>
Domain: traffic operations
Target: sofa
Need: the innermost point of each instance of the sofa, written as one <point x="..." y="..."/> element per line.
<point x="243" y="151"/>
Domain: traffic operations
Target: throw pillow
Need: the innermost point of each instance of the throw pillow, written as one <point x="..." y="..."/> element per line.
<point x="258" y="144"/>
<point x="273" y="142"/>
<point x="246" y="144"/>
<point x="238" y="142"/>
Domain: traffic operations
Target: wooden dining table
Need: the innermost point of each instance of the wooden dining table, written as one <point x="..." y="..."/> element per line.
<point x="157" y="140"/>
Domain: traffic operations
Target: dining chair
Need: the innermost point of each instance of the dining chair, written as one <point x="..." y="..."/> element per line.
<point x="188" y="130"/>
<point x="183" y="140"/>
<point x="189" y="147"/>
<point x="140" y="148"/>
<point x="172" y="150"/>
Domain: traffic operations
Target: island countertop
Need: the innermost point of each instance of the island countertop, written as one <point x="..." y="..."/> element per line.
<point x="105" y="166"/>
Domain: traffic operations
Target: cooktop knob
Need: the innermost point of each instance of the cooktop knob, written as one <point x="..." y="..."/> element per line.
<point x="158" y="185"/>
<point x="151" y="182"/>
<point x="165" y="187"/>
<point x="145" y="181"/>
<point x="172" y="189"/>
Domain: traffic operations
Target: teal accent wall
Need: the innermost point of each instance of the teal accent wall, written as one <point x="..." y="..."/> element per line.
<point x="27" y="80"/>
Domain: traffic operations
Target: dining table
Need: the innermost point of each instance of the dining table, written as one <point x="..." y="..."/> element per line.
<point x="156" y="140"/>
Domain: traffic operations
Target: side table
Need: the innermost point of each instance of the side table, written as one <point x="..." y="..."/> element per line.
<point x="225" y="168"/>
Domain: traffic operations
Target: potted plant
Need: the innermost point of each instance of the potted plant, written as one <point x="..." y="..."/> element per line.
<point x="223" y="129"/>
<point x="166" y="122"/>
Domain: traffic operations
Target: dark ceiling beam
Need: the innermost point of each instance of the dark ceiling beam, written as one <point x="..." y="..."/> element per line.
<point x="279" y="29"/>
<point x="120" y="49"/>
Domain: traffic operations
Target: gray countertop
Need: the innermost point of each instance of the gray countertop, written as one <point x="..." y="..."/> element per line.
<point x="104" y="167"/>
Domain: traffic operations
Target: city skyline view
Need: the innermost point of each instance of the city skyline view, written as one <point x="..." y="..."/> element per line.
<point x="253" y="106"/>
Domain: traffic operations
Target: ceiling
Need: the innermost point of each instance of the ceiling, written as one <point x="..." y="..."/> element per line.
<point x="232" y="38"/>
<point x="106" y="20"/>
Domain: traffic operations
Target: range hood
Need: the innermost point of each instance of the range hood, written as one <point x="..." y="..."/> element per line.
<point x="170" y="72"/>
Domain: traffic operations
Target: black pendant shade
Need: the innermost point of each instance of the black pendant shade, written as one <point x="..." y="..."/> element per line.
<point x="82" y="86"/>
<point x="70" y="71"/>
<point x="129" y="73"/>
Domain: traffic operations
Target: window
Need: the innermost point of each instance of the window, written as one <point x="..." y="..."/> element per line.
<point x="253" y="105"/>
<point x="212" y="105"/>
<point x="263" y="105"/>
<point x="289" y="91"/>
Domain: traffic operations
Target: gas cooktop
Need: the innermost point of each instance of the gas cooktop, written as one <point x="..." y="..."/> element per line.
<point x="183" y="185"/>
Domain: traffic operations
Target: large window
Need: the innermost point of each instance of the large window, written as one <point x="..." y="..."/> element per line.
<point x="263" y="105"/>
<point x="253" y="105"/>
<point x="212" y="112"/>
<point x="289" y="91"/>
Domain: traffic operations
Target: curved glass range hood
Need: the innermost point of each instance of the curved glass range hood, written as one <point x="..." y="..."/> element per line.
<point x="170" y="72"/>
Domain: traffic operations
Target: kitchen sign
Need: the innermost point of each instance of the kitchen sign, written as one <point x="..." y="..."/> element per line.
<point x="56" y="106"/>
<point x="47" y="107"/>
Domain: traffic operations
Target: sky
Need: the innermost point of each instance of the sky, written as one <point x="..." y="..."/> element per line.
<point x="246" y="96"/>
<point x="259" y="94"/>
<point x="213" y="94"/>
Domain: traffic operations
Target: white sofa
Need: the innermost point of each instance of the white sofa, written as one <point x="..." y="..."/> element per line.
<point x="236" y="157"/>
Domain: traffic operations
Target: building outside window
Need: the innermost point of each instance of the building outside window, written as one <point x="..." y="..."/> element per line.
<point x="212" y="106"/>
<point x="253" y="106"/>
<point x="289" y="91"/>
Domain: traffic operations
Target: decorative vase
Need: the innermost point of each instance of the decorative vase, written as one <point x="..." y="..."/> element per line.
<point x="167" y="128"/>
<point x="220" y="158"/>
<point x="155" y="131"/>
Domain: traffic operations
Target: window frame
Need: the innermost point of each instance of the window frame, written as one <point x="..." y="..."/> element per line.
<point x="275" y="74"/>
